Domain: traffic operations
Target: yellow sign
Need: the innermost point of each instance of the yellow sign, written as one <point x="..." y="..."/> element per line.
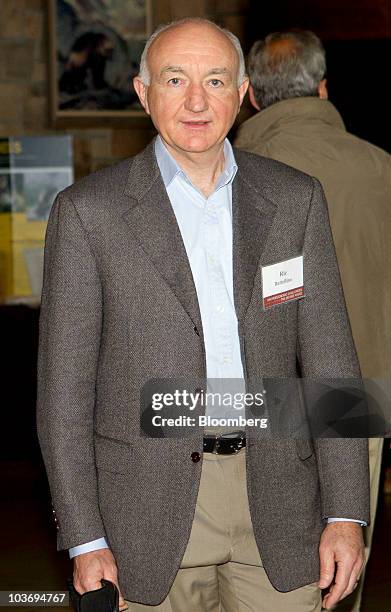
<point x="33" y="170"/>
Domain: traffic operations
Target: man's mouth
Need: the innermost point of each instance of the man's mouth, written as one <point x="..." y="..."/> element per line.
<point x="195" y="124"/>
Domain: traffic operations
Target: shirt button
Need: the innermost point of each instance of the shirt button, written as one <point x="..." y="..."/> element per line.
<point x="195" y="457"/>
<point x="220" y="308"/>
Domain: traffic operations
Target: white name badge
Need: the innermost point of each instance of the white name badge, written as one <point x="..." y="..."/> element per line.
<point x="283" y="282"/>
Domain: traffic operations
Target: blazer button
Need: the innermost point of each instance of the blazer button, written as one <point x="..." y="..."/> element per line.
<point x="55" y="520"/>
<point x="195" y="457"/>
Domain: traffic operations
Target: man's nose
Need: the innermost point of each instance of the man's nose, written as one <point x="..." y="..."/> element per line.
<point x="196" y="99"/>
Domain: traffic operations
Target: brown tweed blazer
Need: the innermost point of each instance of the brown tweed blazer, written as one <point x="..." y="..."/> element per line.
<point x="119" y="307"/>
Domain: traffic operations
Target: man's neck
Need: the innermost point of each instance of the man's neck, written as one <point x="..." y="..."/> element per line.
<point x="203" y="169"/>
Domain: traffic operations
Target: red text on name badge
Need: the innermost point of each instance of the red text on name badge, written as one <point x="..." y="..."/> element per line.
<point x="285" y="296"/>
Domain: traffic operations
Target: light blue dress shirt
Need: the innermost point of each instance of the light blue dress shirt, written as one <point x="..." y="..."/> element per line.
<point x="205" y="224"/>
<point x="206" y="228"/>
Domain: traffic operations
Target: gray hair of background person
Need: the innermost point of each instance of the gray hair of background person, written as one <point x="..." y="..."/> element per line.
<point x="292" y="71"/>
<point x="144" y="73"/>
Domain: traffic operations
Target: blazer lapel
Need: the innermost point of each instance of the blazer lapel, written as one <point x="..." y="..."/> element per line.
<point x="152" y="222"/>
<point x="253" y="216"/>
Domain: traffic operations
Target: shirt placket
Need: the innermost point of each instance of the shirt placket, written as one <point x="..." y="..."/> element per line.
<point x="219" y="295"/>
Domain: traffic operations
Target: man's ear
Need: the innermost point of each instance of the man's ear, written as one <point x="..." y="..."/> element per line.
<point x="141" y="90"/>
<point x="253" y="101"/>
<point x="322" y="90"/>
<point x="242" y="91"/>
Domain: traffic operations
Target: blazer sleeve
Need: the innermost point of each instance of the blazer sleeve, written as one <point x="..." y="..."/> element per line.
<point x="69" y="340"/>
<point x="326" y="351"/>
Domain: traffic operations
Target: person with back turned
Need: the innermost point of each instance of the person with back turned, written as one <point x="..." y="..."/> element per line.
<point x="298" y="125"/>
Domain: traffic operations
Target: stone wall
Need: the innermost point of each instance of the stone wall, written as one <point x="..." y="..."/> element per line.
<point x="24" y="78"/>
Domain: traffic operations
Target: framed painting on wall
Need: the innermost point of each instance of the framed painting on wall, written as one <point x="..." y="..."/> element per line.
<point x="95" y="50"/>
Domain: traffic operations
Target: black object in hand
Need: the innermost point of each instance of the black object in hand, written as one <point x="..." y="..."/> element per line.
<point x="105" y="599"/>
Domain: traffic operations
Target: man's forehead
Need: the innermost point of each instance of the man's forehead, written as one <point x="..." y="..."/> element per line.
<point x="184" y="68"/>
<point x="183" y="47"/>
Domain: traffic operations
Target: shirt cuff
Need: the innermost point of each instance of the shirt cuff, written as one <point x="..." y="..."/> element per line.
<point x="88" y="547"/>
<point x="337" y="520"/>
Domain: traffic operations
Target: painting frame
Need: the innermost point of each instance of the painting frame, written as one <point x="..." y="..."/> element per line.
<point x="88" y="117"/>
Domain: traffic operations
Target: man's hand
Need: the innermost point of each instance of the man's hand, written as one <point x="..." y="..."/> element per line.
<point x="89" y="568"/>
<point x="342" y="544"/>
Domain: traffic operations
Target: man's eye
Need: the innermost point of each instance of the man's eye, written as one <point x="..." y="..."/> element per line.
<point x="216" y="82"/>
<point x="174" y="81"/>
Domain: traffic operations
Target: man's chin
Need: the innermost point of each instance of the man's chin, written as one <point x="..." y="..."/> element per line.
<point x="196" y="144"/>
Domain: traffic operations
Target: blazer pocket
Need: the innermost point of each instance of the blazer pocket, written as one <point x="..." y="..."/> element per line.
<point x="112" y="455"/>
<point x="304" y="449"/>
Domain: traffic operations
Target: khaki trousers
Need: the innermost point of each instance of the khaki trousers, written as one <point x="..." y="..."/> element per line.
<point x="221" y="570"/>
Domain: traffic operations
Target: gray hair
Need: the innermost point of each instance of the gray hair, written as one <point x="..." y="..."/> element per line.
<point x="281" y="73"/>
<point x="144" y="73"/>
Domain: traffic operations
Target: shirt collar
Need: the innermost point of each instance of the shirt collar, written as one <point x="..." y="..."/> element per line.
<point x="169" y="168"/>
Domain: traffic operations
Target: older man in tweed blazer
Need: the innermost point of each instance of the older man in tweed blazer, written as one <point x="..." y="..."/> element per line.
<point x="176" y="526"/>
